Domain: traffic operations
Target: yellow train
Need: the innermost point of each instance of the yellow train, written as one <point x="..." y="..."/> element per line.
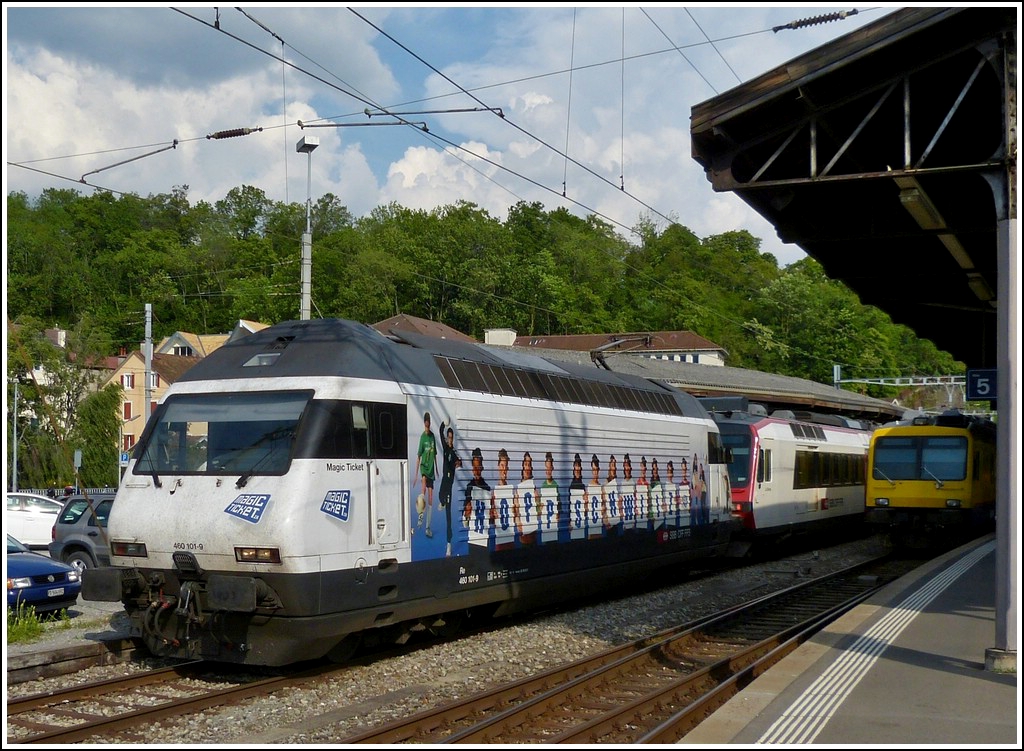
<point x="932" y="480"/>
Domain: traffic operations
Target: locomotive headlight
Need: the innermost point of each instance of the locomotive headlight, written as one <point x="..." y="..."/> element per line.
<point x="952" y="503"/>
<point x="881" y="501"/>
<point x="257" y="555"/>
<point x="129" y="549"/>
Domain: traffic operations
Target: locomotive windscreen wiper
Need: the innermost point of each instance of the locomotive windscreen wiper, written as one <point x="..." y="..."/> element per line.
<point x="147" y="464"/>
<point x="274" y="435"/>
<point x="938" y="483"/>
<point x="884" y="476"/>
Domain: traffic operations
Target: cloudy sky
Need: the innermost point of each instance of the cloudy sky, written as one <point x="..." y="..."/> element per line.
<point x="582" y="107"/>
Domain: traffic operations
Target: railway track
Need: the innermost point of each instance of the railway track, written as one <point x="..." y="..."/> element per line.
<point x="653" y="690"/>
<point x="726" y="644"/>
<point x="97" y="710"/>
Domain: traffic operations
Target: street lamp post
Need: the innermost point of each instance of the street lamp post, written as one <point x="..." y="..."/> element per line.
<point x="306" y="145"/>
<point x="14" y="439"/>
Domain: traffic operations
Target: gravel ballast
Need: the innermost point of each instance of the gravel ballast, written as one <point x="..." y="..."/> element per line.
<point x="329" y="710"/>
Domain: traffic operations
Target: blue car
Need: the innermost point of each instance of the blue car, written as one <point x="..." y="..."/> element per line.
<point x="37" y="580"/>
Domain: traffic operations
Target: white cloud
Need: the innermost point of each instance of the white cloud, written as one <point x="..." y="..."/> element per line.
<point x="530" y="101"/>
<point x="73" y="89"/>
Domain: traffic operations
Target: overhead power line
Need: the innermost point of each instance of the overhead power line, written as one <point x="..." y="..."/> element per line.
<point x="174" y="145"/>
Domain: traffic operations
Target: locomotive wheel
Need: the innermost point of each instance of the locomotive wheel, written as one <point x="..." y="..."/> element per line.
<point x="345" y="649"/>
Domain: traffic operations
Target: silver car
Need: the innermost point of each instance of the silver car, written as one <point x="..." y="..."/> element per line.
<point x="30" y="518"/>
<point x="80" y="535"/>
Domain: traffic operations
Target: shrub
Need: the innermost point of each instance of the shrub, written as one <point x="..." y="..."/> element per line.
<point x="23" y="623"/>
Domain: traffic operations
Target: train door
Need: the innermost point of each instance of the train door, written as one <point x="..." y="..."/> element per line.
<point x="386" y="474"/>
<point x="387" y="501"/>
<point x="719" y="492"/>
<point x="765" y="495"/>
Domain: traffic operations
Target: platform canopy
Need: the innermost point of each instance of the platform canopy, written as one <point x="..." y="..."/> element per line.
<point x="888" y="155"/>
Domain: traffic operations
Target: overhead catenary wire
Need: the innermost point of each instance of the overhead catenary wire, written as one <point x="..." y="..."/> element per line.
<point x="566" y="156"/>
<point x="679" y="49"/>
<point x="594" y="212"/>
<point x="522" y="130"/>
<point x="284" y="91"/>
<point x="174" y="145"/>
<point x="713" y="46"/>
<point x="284" y="121"/>
<point x="620" y="186"/>
<point x="496" y="110"/>
<point x="498" y="165"/>
<point x="217" y="26"/>
<point x="303" y="125"/>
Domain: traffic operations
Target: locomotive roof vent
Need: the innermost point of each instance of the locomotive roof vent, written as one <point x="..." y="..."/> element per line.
<point x="269" y="356"/>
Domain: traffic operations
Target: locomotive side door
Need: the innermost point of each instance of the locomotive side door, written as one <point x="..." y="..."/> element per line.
<point x="386" y="473"/>
<point x="765" y="499"/>
<point x="388" y="501"/>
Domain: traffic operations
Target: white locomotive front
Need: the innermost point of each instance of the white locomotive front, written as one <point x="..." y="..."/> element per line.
<point x="318" y="480"/>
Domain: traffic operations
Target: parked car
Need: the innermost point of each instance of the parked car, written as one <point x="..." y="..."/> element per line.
<point x="79" y="536"/>
<point x="30" y="517"/>
<point x="37" y="580"/>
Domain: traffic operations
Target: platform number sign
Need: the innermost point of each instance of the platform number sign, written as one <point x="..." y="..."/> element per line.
<point x="981" y="385"/>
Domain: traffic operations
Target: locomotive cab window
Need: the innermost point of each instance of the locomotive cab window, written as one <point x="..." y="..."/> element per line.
<point x="944" y="458"/>
<point x="934" y="458"/>
<point x="738" y="445"/>
<point x="719" y="452"/>
<point x="217" y="434"/>
<point x="342" y="429"/>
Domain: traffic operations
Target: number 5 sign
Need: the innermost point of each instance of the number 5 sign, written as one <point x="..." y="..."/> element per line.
<point x="981" y="385"/>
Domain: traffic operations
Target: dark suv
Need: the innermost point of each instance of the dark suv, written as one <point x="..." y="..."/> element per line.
<point x="79" y="534"/>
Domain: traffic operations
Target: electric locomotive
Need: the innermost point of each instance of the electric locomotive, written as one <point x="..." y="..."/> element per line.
<point x="932" y="479"/>
<point x="319" y="481"/>
<point x="792" y="473"/>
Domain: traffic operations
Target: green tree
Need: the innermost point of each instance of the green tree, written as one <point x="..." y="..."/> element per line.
<point x="96" y="434"/>
<point x="245" y="211"/>
<point x="587" y="271"/>
<point x="52" y="384"/>
<point x="90" y="264"/>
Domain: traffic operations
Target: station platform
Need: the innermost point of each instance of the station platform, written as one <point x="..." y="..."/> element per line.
<point x="906" y="667"/>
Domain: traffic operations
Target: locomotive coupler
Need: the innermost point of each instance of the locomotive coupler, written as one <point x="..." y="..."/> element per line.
<point x="189" y="602"/>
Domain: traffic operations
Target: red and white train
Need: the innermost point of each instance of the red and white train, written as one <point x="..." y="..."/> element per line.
<point x="792" y="472"/>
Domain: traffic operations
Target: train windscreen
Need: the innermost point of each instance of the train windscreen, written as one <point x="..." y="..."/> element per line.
<point x="222" y="434"/>
<point x="739" y="464"/>
<point x="936" y="458"/>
